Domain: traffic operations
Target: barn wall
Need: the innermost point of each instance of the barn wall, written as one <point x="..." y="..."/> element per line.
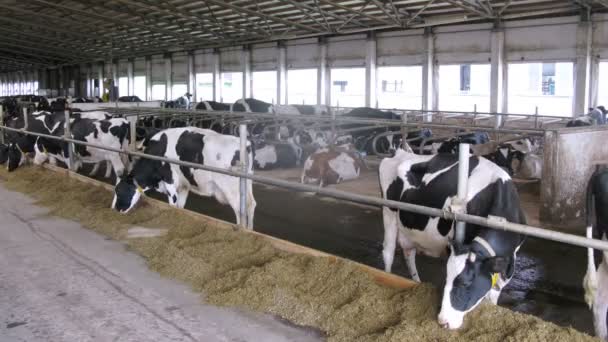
<point x="551" y="39"/>
<point x="158" y="69"/>
<point x="264" y="57"/>
<point x="303" y="53"/>
<point x="179" y="68"/>
<point x="566" y="172"/>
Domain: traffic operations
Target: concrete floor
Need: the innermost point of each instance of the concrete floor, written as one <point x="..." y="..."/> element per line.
<point x="61" y="282"/>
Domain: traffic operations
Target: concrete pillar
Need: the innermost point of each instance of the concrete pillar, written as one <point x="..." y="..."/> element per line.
<point x="497" y="72"/>
<point x="582" y="68"/>
<point x="60" y="81"/>
<point x="370" y="71"/>
<point x="100" y="77"/>
<point x="594" y="82"/>
<point x="430" y="75"/>
<point x="246" y="67"/>
<point x="148" y="78"/>
<point x="282" y="74"/>
<point x="192" y="76"/>
<point x="323" y="77"/>
<point x="168" y="78"/>
<point x="217" y="76"/>
<point x="88" y="91"/>
<point x="131" y="76"/>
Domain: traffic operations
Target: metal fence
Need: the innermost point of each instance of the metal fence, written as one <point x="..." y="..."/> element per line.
<point x="456" y="214"/>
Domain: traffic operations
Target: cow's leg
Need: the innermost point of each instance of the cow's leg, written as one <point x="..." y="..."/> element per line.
<point x="251" y="204"/>
<point x="600" y="303"/>
<point x="108" y="169"/>
<point x="410" y="260"/>
<point x="95" y="170"/>
<point x="390" y="237"/>
<point x="116" y="161"/>
<point x="590" y="280"/>
<point x="182" y="197"/>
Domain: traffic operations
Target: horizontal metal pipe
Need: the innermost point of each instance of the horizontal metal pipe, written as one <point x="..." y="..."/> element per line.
<point x="362" y="199"/>
<point x="339" y="120"/>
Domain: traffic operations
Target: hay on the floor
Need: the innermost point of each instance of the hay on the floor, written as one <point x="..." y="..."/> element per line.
<point x="239" y="269"/>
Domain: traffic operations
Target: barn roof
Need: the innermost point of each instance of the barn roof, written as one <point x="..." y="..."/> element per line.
<point x="41" y="33"/>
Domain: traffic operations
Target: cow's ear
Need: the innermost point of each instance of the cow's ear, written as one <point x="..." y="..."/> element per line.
<point x="496" y="264"/>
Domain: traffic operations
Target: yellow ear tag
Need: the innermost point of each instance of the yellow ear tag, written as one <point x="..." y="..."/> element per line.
<point x="140" y="190"/>
<point x="494" y="279"/>
<point x="44" y="150"/>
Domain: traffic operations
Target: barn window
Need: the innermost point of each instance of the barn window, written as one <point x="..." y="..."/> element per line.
<point x="464" y="87"/>
<point x="602" y="93"/>
<point x="178" y="90"/>
<point x="546" y="88"/>
<point x="232" y="86"/>
<point x="158" y="92"/>
<point x="264" y="86"/>
<point x="204" y="87"/>
<point x="348" y="87"/>
<point x="139" y="85"/>
<point x="302" y="86"/>
<point x="400" y="87"/>
<point x="123" y="86"/>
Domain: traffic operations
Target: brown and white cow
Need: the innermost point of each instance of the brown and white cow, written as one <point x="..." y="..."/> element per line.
<point x="332" y="165"/>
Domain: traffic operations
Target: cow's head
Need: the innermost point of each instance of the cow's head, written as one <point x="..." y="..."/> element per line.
<point x="16" y="157"/>
<point x="126" y="194"/>
<point x="471" y="274"/>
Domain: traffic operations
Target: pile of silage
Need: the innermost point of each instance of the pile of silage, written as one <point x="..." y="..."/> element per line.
<point x="238" y="269"/>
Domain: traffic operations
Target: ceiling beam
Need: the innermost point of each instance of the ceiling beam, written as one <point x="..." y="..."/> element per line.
<point x="386" y="12"/>
<point x="351" y="10"/>
<point x="267" y="16"/>
<point x="128" y="23"/>
<point x="469" y="7"/>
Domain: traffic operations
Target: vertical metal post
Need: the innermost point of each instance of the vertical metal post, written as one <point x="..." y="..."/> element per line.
<point x="244" y="157"/>
<point x="25" y="119"/>
<point x="463" y="179"/>
<point x="2" y="118"/>
<point x="334" y="136"/>
<point x="66" y="134"/>
<point x="536" y="117"/>
<point x="403" y="130"/>
<point x="132" y="131"/>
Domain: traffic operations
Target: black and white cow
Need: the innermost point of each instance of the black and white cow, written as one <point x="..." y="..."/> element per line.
<point x="596" y="116"/>
<point x="596" y="278"/>
<point x="129" y="99"/>
<point x="485" y="262"/>
<point x="269" y="156"/>
<point x="113" y="133"/>
<point x="190" y="144"/>
<point x="212" y="105"/>
<point x="451" y="145"/>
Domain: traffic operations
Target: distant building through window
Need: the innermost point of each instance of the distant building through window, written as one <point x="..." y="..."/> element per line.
<point x="543" y="88"/>
<point x="302" y="86"/>
<point x="348" y="87"/>
<point x="464" y="87"/>
<point x="232" y="86"/>
<point x="399" y="87"/>
<point x="602" y="93"/>
<point x="204" y="87"/>
<point x="264" y="86"/>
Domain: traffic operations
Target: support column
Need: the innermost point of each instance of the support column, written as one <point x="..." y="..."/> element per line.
<point x="323" y="79"/>
<point x="282" y="74"/>
<point x="88" y="82"/>
<point x="100" y="77"/>
<point x="168" y="79"/>
<point x="246" y="65"/>
<point x="370" y="71"/>
<point x="217" y="77"/>
<point x="192" y="77"/>
<point x="582" y="68"/>
<point x="131" y="76"/>
<point x="60" y="82"/>
<point x="497" y="72"/>
<point x="430" y="75"/>
<point x="148" y="78"/>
